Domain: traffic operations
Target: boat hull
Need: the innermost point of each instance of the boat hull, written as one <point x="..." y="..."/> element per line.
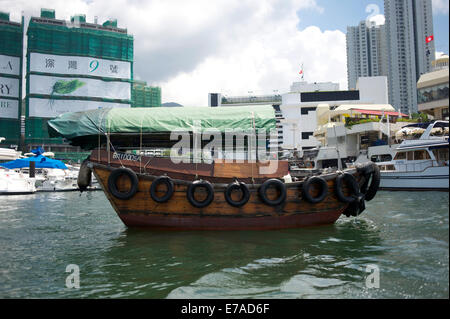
<point x="180" y="222"/>
<point x="12" y="183"/>
<point x="17" y="193"/>
<point x="178" y="214"/>
<point x="432" y="178"/>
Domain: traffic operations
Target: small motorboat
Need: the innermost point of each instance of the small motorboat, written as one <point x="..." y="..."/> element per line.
<point x="14" y="182"/>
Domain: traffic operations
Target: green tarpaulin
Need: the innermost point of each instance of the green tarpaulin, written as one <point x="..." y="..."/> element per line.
<point x="85" y="127"/>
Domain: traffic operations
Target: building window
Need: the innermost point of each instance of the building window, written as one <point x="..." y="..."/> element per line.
<point x="329" y="96"/>
<point x="305" y="110"/>
<point x="437" y="92"/>
<point x="306" y="135"/>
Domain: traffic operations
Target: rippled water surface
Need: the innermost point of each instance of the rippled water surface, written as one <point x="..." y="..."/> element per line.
<point x="404" y="234"/>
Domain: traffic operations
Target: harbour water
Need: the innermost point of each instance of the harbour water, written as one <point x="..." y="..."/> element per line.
<point x="402" y="236"/>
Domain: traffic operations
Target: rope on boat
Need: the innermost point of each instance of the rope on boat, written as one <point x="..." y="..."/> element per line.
<point x="250" y="144"/>
<point x="140" y="150"/>
<point x="99" y="129"/>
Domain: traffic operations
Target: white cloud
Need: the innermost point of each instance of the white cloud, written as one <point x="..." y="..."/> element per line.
<point x="379" y="19"/>
<point x="438" y="54"/>
<point x="192" y="48"/>
<point x="440" y="6"/>
<point x="264" y="66"/>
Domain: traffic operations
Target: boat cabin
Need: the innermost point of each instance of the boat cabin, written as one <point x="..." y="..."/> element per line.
<point x="430" y="150"/>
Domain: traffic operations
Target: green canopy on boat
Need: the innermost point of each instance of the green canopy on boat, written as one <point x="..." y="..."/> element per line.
<point x="85" y="128"/>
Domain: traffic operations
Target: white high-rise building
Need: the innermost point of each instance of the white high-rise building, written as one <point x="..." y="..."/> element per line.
<point x="366" y="52"/>
<point x="408" y="24"/>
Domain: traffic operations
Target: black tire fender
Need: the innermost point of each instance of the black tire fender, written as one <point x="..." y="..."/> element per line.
<point x="323" y="189"/>
<point x="353" y="184"/>
<point x="278" y="185"/>
<point x="245" y="194"/>
<point x="371" y="190"/>
<point x="170" y="189"/>
<point x="356" y="207"/>
<point x="191" y="190"/>
<point x="84" y="176"/>
<point x="351" y="210"/>
<point x="112" y="179"/>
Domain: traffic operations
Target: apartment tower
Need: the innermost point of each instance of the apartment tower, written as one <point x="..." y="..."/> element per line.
<point x="410" y="49"/>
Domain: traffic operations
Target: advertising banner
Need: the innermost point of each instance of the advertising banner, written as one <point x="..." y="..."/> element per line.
<point x="9" y="87"/>
<point x="9" y="109"/>
<point x="9" y="65"/>
<point x="80" y="87"/>
<point x="76" y="65"/>
<point x="53" y="108"/>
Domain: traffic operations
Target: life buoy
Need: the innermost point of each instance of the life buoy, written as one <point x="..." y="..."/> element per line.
<point x="112" y="179"/>
<point x="323" y="189"/>
<point x="170" y="189"/>
<point x="237" y="186"/>
<point x="191" y="190"/>
<point x="351" y="182"/>
<point x="279" y="185"/>
<point x="370" y="190"/>
<point x="84" y="176"/>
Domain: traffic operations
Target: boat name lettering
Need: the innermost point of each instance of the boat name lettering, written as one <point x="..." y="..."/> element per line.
<point x="126" y="157"/>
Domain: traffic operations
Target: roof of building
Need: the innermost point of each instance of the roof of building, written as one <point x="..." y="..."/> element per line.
<point x="324" y="113"/>
<point x="433" y="78"/>
<point x="442" y="58"/>
<point x="372" y="112"/>
<point x="373" y="107"/>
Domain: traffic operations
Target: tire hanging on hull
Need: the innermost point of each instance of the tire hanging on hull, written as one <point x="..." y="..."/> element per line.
<point x="371" y="173"/>
<point x="237" y="186"/>
<point x="170" y="189"/>
<point x="84" y="176"/>
<point x="353" y="184"/>
<point x="112" y="179"/>
<point x="323" y="192"/>
<point x="279" y="185"/>
<point x="191" y="190"/>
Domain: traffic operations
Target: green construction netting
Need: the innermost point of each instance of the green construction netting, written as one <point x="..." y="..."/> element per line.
<point x="59" y="39"/>
<point x="10" y="40"/>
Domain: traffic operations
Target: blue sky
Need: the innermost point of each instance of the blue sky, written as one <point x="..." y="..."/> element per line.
<point x="337" y="15"/>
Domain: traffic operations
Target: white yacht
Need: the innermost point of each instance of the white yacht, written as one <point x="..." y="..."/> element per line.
<point x="57" y="180"/>
<point x="419" y="164"/>
<point x="60" y="180"/>
<point x="8" y="154"/>
<point x="14" y="182"/>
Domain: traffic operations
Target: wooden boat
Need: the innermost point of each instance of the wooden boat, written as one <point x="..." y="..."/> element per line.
<point x="158" y="194"/>
<point x="271" y="203"/>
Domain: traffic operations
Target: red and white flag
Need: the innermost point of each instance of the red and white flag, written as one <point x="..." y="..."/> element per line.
<point x="301" y="71"/>
<point x="429" y="38"/>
